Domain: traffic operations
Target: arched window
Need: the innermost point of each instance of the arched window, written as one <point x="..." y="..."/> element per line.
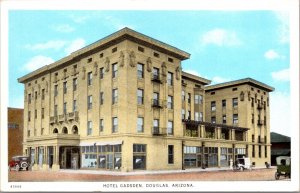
<point x="55" y="131"/>
<point x="65" y="130"/>
<point x="75" y="130"/>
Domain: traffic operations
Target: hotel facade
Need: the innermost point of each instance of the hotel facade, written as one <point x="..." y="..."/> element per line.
<point x="124" y="103"/>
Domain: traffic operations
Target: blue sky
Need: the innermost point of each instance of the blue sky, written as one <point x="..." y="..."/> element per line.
<point x="224" y="45"/>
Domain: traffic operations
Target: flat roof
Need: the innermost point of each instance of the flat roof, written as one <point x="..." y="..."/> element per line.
<point x="117" y="37"/>
<point x="195" y="78"/>
<point x="249" y="81"/>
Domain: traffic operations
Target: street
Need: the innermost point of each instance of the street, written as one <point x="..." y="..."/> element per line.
<point x="229" y="175"/>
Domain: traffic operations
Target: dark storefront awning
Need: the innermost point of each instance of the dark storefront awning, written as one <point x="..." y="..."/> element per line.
<point x="223" y="126"/>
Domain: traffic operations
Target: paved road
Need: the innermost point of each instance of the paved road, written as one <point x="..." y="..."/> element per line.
<point x="50" y="176"/>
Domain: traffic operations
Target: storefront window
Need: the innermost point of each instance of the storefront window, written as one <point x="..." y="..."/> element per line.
<point x="139" y="156"/>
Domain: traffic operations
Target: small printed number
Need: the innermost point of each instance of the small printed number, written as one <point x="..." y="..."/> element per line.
<point x="15" y="186"/>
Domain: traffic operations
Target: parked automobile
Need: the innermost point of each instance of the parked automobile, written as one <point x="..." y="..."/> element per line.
<point x="242" y="164"/>
<point x="19" y="163"/>
<point x="283" y="164"/>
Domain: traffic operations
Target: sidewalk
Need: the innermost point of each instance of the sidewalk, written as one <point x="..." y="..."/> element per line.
<point x="149" y="172"/>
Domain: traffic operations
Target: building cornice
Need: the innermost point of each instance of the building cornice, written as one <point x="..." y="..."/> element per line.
<point x="115" y="38"/>
<point x="249" y="81"/>
<point x="195" y="78"/>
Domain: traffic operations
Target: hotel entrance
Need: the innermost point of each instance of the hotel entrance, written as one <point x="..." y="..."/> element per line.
<point x="69" y="157"/>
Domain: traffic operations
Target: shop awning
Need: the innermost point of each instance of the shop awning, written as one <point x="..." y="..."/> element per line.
<point x="87" y="143"/>
<point x="110" y="142"/>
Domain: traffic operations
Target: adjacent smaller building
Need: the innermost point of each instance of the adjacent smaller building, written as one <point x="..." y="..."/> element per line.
<point x="281" y="146"/>
<point x="15" y="132"/>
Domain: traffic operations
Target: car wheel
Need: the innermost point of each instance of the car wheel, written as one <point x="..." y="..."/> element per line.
<point x="17" y="168"/>
<point x="24" y="165"/>
<point x="277" y="175"/>
<point x="241" y="168"/>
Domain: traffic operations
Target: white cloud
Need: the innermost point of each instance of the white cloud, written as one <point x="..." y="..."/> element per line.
<point x="280" y="113"/>
<point x="37" y="62"/>
<point x="116" y="22"/>
<point x="220" y="37"/>
<point x="64" y="28"/>
<point x="282" y="75"/>
<point x="52" y="44"/>
<point x="78" y="18"/>
<point x="284" y="26"/>
<point x="218" y="79"/>
<point x="271" y="54"/>
<point x="75" y="45"/>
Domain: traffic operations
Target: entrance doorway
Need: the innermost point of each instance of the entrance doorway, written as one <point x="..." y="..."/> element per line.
<point x="69" y="157"/>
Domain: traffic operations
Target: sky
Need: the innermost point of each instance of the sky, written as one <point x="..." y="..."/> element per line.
<point x="224" y="45"/>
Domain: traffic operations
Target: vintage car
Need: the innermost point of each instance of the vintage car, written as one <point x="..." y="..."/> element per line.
<point x="242" y="164"/>
<point x="19" y="163"/>
<point x="283" y="167"/>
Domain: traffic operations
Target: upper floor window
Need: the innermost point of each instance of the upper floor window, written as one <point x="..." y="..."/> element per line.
<point x="29" y="98"/>
<point x="101" y="98"/>
<point x="189" y="97"/>
<point x="90" y="78"/>
<point x="182" y="95"/>
<point x="140" y="71"/>
<point x="213" y="119"/>
<point x="140" y="124"/>
<point x="35" y="96"/>
<point x="101" y="73"/>
<point x="140" y="96"/>
<point x="155" y="73"/>
<point x="182" y="114"/>
<point x="90" y="101"/>
<point x="235" y="119"/>
<point x="29" y="115"/>
<point x="90" y="128"/>
<point x="43" y="94"/>
<point x="74" y="84"/>
<point x="213" y="105"/>
<point x="235" y="102"/>
<point x="65" y="108"/>
<point x="114" y="49"/>
<point x="224" y="119"/>
<point x="170" y="78"/>
<point x="115" y="124"/>
<point x="55" y="110"/>
<point x="43" y="113"/>
<point x="224" y="103"/>
<point x="170" y="102"/>
<point x="101" y="125"/>
<point x="65" y="87"/>
<point x="114" y="70"/>
<point x="170" y="128"/>
<point x="114" y="96"/>
<point x="55" y="90"/>
<point x="198" y="116"/>
<point x="74" y="105"/>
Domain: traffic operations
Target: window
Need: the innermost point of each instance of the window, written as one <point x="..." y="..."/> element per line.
<point x="114" y="96"/>
<point x="156" y="73"/>
<point x="197" y="116"/>
<point x="170" y="154"/>
<point x="89" y="131"/>
<point x="201" y="116"/>
<point x="253" y="139"/>
<point x="259" y="151"/>
<point x="115" y="124"/>
<point x="55" y="90"/>
<point x="89" y="60"/>
<point x="224" y="103"/>
<point x="183" y="95"/>
<point x="253" y="150"/>
<point x="65" y="87"/>
<point x="35" y="113"/>
<point x="212" y="93"/>
<point x="101" y="73"/>
<point x="170" y="78"/>
<point x="189" y="98"/>
<point x="90" y="102"/>
<point x="234" y="102"/>
<point x="115" y="70"/>
<point x="182" y="114"/>
<point x="74" y="84"/>
<point x="101" y="125"/>
<point x="266" y="151"/>
<point x="139" y="156"/>
<point x="140" y="124"/>
<point x="155" y="98"/>
<point x="234" y="89"/>
<point x="101" y="55"/>
<point x="74" y="105"/>
<point x="140" y="96"/>
<point x="213" y="119"/>
<point x="235" y="119"/>
<point x="252" y="118"/>
<point x="101" y="98"/>
<point x="29" y="98"/>
<point x="156" y="55"/>
<point x="140" y="71"/>
<point x="65" y="108"/>
<point x="170" y="60"/>
<point x="42" y="131"/>
<point x="198" y="99"/>
<point x="156" y="123"/>
<point x="35" y="96"/>
<point x="55" y="110"/>
<point x="43" y="113"/>
<point x="141" y="49"/>
<point x="114" y="49"/>
<point x="90" y="78"/>
<point x="189" y="115"/>
<point x="213" y="105"/>
<point x="170" y="102"/>
<point x="43" y="94"/>
<point x="28" y="133"/>
<point x="224" y="119"/>
<point x="252" y="102"/>
<point x="170" y="127"/>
